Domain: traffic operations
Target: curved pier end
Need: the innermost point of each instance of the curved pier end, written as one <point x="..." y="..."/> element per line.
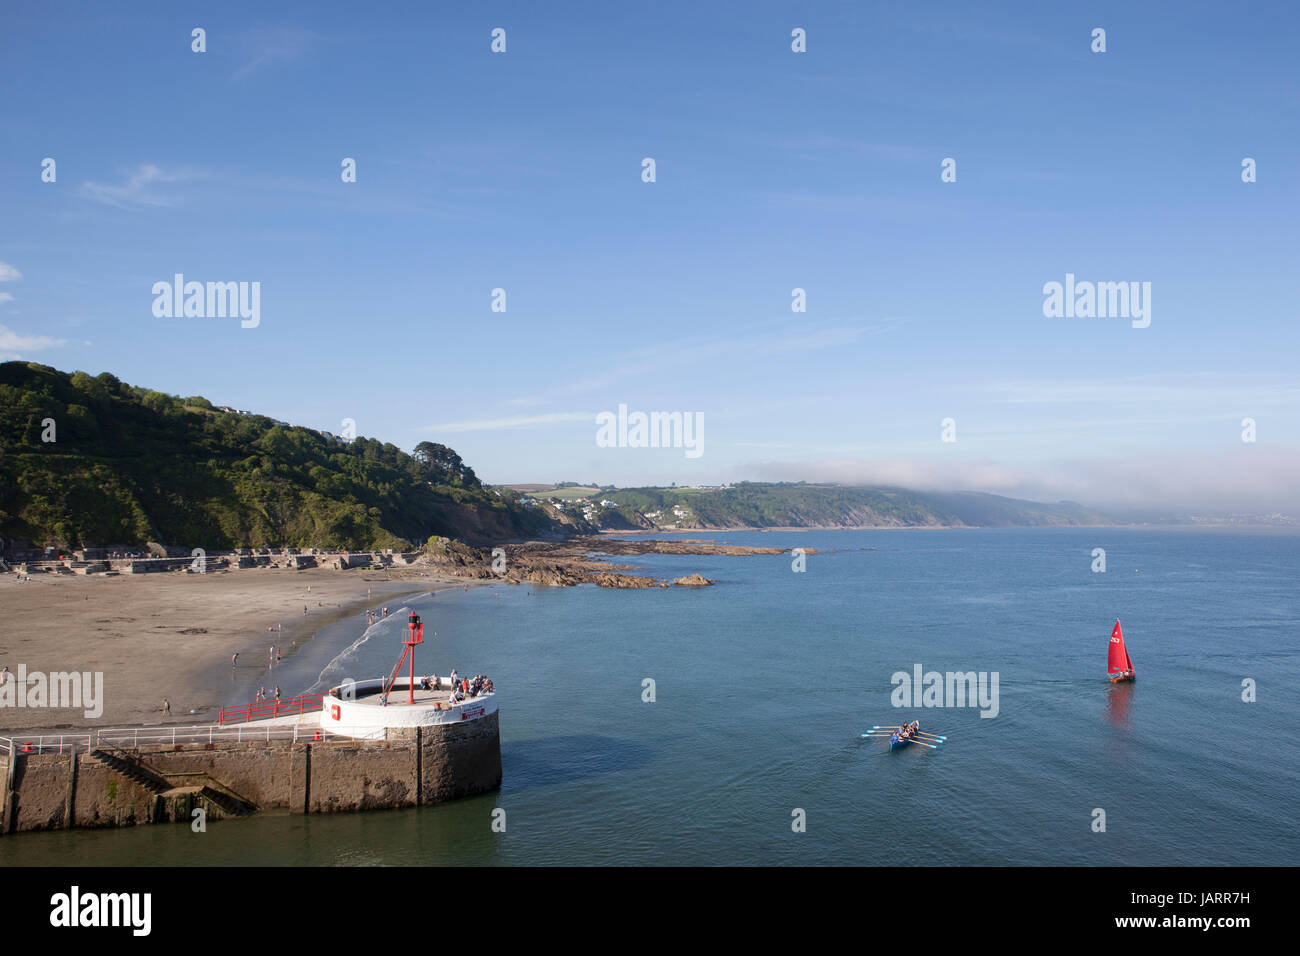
<point x="460" y="760"/>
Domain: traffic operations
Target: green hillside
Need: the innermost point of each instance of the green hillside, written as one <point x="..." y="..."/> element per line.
<point x="130" y="465"/>
<point x="799" y="505"/>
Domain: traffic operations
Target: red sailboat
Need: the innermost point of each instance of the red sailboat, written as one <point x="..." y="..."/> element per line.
<point x="1118" y="663"/>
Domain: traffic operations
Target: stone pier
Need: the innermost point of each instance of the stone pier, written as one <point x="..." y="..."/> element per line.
<point x="109" y="785"/>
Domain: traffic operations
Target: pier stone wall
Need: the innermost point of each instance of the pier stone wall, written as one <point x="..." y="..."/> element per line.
<point x="413" y="767"/>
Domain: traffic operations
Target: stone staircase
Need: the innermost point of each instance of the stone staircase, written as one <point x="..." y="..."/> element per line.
<point x="134" y="769"/>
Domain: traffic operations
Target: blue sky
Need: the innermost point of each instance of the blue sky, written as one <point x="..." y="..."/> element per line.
<point x="775" y="170"/>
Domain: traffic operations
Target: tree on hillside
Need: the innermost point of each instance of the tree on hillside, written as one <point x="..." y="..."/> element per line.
<point x="442" y="466"/>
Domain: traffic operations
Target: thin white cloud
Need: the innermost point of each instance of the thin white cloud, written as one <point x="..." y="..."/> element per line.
<point x="1203" y="390"/>
<point x="8" y="273"/>
<point x="140" y="189"/>
<point x="11" y="342"/>
<point x="520" y="421"/>
<point x="278" y="45"/>
<point x="6" y="297"/>
<point x="650" y="361"/>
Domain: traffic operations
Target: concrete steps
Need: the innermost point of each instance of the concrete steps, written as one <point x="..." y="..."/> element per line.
<point x="133" y="769"/>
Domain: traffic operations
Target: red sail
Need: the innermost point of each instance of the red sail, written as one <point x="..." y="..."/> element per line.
<point x="1118" y="660"/>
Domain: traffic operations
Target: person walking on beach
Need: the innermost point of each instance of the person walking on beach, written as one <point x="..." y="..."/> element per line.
<point x="234" y="657"/>
<point x="167" y="707"/>
<point x="4" y="675"/>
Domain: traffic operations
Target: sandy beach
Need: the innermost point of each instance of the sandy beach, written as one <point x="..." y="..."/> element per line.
<point x="172" y="635"/>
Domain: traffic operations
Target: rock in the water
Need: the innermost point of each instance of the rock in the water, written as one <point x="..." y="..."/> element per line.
<point x="692" y="581"/>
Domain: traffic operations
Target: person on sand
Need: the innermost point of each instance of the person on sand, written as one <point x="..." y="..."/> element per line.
<point x="167" y="707"/>
<point x="4" y="675"/>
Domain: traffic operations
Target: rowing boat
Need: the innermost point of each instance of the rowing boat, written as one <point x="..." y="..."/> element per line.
<point x="921" y="738"/>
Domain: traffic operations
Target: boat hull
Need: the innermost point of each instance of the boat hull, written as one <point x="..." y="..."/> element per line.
<point x="898" y="743"/>
<point x="1121" y="679"/>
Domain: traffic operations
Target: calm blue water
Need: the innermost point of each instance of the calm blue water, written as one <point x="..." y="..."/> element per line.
<point x="765" y="681"/>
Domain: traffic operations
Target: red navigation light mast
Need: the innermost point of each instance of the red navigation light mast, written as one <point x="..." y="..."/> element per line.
<point x="415" y="635"/>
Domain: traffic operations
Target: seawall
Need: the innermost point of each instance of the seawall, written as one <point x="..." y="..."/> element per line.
<point x="110" y="786"/>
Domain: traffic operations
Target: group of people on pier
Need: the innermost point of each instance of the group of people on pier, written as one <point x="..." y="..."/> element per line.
<point x="460" y="687"/>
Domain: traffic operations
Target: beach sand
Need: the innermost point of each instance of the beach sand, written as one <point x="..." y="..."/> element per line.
<point x="172" y="635"/>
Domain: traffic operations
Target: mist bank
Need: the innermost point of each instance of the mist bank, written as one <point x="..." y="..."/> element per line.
<point x="1242" y="482"/>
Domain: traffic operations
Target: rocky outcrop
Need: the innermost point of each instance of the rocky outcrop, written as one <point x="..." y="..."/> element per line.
<point x="692" y="581"/>
<point x="567" y="563"/>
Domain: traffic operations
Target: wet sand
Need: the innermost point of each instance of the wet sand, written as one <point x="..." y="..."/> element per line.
<point x="172" y="635"/>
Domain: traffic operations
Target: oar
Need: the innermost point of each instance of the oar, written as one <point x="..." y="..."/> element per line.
<point x="912" y="739"/>
<point x="926" y="733"/>
<point x="893" y="727"/>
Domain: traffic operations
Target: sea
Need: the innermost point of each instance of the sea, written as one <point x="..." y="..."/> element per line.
<point x="723" y="725"/>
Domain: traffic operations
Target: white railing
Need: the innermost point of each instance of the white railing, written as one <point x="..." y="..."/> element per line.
<point x="173" y="736"/>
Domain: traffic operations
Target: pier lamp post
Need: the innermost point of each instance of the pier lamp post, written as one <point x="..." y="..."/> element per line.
<point x="415" y="636"/>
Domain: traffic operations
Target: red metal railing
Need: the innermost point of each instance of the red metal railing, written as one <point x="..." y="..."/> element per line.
<point x="242" y="713"/>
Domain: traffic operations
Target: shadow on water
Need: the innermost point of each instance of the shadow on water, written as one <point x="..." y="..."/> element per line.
<point x="556" y="760"/>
